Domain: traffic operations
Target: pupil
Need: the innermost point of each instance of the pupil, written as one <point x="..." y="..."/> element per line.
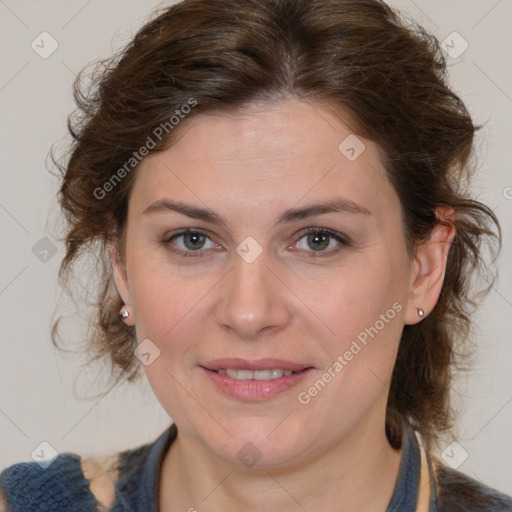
<point x="318" y="241"/>
<point x="194" y="241"/>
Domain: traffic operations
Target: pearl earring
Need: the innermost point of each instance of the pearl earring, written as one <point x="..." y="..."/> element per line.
<point x="124" y="313"/>
<point x="421" y="313"/>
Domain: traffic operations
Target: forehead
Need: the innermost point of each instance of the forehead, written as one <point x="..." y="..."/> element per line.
<point x="265" y="157"/>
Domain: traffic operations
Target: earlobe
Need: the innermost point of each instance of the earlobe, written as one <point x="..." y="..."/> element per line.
<point x="429" y="269"/>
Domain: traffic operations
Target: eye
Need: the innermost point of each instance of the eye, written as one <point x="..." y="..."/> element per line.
<point x="189" y="241"/>
<point x="319" y="240"/>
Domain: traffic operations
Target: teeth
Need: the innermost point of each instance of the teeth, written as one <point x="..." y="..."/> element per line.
<point x="273" y="373"/>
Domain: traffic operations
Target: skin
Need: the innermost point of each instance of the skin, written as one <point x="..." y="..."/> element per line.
<point x="328" y="454"/>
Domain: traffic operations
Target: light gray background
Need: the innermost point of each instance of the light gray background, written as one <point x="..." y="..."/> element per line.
<point x="36" y="382"/>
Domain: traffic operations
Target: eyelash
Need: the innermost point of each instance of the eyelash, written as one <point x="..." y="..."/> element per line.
<point x="343" y="241"/>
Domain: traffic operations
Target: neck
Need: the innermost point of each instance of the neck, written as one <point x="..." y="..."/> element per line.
<point x="359" y="473"/>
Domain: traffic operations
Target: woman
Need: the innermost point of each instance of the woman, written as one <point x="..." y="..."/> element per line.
<point x="273" y="189"/>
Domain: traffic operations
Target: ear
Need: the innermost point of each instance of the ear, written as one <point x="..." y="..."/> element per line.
<point x="121" y="281"/>
<point x="429" y="267"/>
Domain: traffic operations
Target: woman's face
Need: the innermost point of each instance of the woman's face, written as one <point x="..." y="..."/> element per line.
<point x="258" y="246"/>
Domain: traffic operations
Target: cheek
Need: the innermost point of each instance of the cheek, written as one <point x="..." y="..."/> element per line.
<point x="363" y="307"/>
<point x="170" y="311"/>
<point x="355" y="296"/>
<point x="168" y="306"/>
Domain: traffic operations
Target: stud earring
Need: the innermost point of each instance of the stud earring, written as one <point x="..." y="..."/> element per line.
<point x="421" y="313"/>
<point x="124" y="313"/>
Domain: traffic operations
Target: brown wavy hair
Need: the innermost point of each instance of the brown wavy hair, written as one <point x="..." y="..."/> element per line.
<point x="224" y="55"/>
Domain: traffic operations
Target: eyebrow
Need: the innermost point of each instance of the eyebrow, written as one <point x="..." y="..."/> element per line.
<point x="336" y="205"/>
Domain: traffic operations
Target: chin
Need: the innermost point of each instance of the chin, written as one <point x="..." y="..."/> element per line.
<point x="257" y="443"/>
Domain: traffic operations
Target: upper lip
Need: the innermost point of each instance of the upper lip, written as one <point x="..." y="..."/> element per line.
<point x="237" y="363"/>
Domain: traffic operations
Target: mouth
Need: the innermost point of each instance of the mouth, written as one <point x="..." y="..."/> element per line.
<point x="255" y="380"/>
<point x="270" y="374"/>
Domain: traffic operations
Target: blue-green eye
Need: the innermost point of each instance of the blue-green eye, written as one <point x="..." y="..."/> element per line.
<point x="189" y="241"/>
<point x="193" y="241"/>
<point x="319" y="240"/>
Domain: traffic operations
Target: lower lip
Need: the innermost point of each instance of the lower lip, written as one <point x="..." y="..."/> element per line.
<point x="256" y="390"/>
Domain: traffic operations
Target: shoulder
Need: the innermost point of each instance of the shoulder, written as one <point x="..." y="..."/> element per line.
<point x="65" y="483"/>
<point x="102" y="475"/>
<point x="93" y="484"/>
<point x="458" y="492"/>
<point x="27" y="484"/>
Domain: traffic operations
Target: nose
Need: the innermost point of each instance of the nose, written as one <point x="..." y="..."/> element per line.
<point x="253" y="300"/>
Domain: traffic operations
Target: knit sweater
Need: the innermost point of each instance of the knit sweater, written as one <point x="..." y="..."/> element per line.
<point x="62" y="487"/>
